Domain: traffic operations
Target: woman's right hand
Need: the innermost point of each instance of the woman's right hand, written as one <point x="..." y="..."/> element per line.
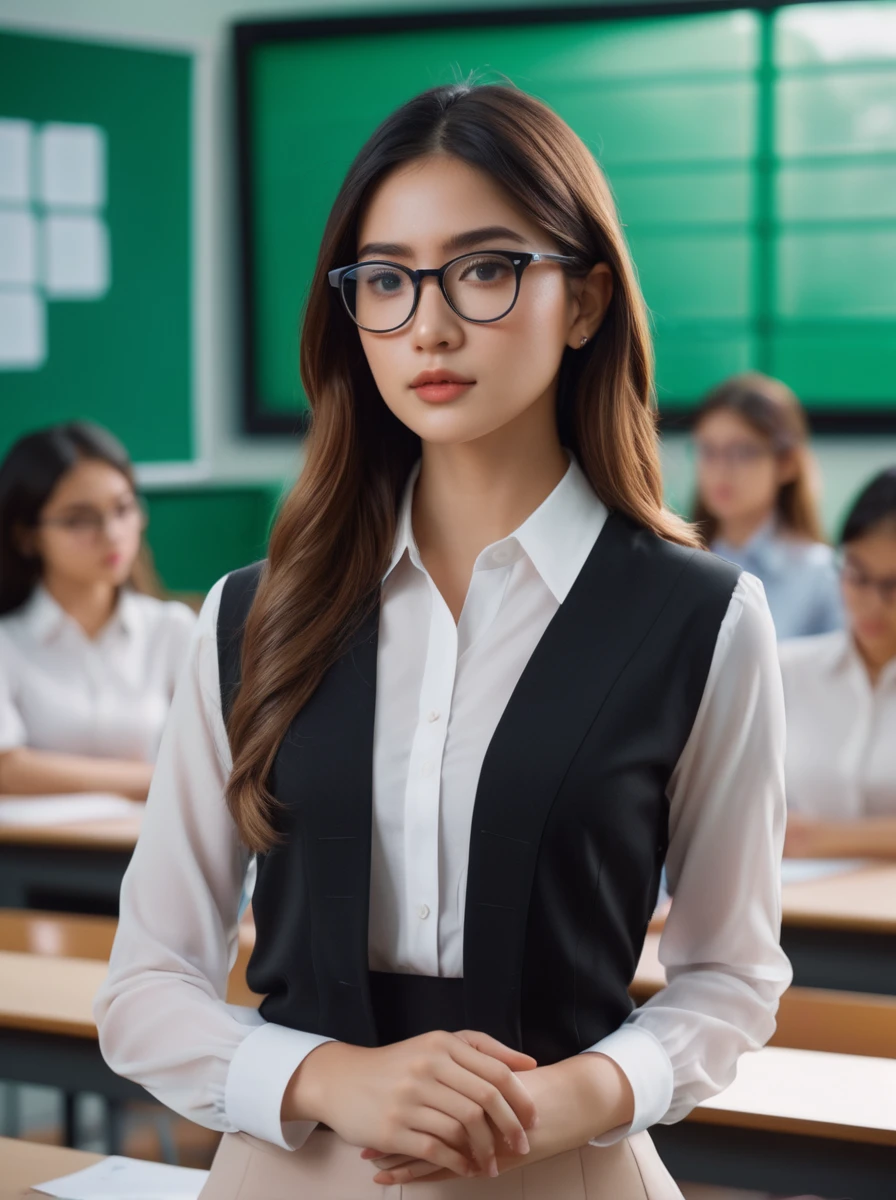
<point x="440" y="1097"/>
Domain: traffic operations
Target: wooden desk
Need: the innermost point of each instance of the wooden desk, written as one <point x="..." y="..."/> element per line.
<point x="794" y="1121"/>
<point x="75" y="867"/>
<point x="25" y="1163"/>
<point x="808" y="1018"/>
<point x="47" y="1033"/>
<point x="840" y="932"/>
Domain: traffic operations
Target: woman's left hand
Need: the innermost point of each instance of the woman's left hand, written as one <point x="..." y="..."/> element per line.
<point x="577" y="1099"/>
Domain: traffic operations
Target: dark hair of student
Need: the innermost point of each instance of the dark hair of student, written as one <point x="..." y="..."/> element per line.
<point x="29" y="474"/>
<point x="770" y="408"/>
<point x="873" y="509"/>
<point x="331" y="543"/>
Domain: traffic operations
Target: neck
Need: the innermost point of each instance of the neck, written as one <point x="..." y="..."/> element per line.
<point x="875" y="658"/>
<point x="91" y="605"/>
<point x="737" y="531"/>
<point x="476" y="493"/>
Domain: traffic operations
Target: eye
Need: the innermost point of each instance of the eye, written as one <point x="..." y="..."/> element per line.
<point x="384" y="282"/>
<point x="485" y="270"/>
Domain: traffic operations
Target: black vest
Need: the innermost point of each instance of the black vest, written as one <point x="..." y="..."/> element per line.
<point x="569" y="828"/>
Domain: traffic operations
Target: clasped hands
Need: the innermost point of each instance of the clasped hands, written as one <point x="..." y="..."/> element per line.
<point x="448" y="1105"/>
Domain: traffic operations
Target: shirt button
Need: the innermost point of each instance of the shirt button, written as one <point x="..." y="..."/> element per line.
<point x="423" y="912"/>
<point x="433" y="716"/>
<point x="426" y="769"/>
<point x="501" y="554"/>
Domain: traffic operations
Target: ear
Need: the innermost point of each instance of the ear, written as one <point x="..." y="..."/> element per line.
<point x="788" y="465"/>
<point x="593" y="294"/>
<point x="25" y="541"/>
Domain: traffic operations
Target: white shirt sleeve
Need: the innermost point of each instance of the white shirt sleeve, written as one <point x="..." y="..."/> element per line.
<point x="721" y="942"/>
<point x="180" y="622"/>
<point x="161" y="1013"/>
<point x="12" y="727"/>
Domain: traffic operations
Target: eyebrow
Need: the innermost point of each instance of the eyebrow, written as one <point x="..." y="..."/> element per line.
<point x="458" y="242"/>
<point x="75" y="506"/>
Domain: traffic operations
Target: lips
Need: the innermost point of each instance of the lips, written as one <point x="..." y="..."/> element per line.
<point x="439" y="376"/>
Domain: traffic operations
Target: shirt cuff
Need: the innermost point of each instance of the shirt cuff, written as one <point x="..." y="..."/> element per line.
<point x="258" y="1075"/>
<point x="646" y="1065"/>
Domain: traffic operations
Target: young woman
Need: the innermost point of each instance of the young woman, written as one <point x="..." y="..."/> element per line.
<point x="840" y="694"/>
<point x="755" y="502"/>
<point x="481" y="685"/>
<point x="88" y="659"/>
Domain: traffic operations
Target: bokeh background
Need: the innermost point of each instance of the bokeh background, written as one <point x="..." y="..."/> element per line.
<point x="181" y="158"/>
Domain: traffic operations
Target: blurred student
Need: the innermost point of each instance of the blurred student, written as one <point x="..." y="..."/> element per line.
<point x="755" y="501"/>
<point x="88" y="659"/>
<point x="840" y="692"/>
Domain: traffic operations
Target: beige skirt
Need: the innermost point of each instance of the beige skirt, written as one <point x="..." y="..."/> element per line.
<point x="327" y="1168"/>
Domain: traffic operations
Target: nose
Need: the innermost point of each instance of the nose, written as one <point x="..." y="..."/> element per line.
<point x="435" y="323"/>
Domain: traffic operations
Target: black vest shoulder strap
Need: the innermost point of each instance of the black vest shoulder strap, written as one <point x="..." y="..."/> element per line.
<point x="236" y="600"/>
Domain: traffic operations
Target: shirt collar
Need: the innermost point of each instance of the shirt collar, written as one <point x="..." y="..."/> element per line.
<point x="557" y="537"/>
<point x="43" y="616"/>
<point x="842" y="655"/>
<point x="46" y="618"/>
<point x="127" y="611"/>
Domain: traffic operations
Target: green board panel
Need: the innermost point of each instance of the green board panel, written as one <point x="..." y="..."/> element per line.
<point x="121" y="353"/>
<point x="813" y="35"/>
<point x="199" y="535"/>
<point x="822" y="192"/>
<point x="752" y="156"/>
<point x="832" y="326"/>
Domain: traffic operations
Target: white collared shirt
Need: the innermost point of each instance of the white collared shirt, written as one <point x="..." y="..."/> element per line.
<point x="104" y="697"/>
<point x="841" y="730"/>
<point x="441" y="689"/>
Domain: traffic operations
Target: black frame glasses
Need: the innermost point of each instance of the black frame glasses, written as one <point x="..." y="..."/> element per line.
<point x="518" y="259"/>
<point x="856" y="577"/>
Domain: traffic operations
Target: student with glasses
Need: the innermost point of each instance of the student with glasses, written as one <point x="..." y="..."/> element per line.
<point x="88" y="655"/>
<point x="756" y="504"/>
<point x="481" y="685"/>
<point x="840" y="693"/>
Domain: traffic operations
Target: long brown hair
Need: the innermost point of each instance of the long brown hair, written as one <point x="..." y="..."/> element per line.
<point x="29" y="474"/>
<point x="770" y="408"/>
<point x="330" y="546"/>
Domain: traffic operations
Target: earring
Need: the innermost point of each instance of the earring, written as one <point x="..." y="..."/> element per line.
<point x="583" y="341"/>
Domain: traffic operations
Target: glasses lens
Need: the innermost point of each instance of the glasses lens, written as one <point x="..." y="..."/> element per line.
<point x="378" y="295"/>
<point x="482" y="287"/>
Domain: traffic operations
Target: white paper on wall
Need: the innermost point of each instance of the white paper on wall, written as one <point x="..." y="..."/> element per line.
<point x="72" y="166"/>
<point x="15" y="161"/>
<point x="76" y="257"/>
<point x="18" y="247"/>
<point x="23" y="337"/>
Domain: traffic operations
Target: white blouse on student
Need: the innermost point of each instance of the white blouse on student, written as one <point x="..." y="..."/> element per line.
<point x="841" y="730"/>
<point x="441" y="689"/>
<point x="105" y="697"/>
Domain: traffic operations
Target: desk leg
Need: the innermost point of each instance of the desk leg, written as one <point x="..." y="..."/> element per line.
<point x="70" y="1119"/>
<point x="10" y="1112"/>
<point x="115" y="1114"/>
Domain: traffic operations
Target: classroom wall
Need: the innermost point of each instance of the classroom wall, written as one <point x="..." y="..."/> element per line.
<point x="229" y="459"/>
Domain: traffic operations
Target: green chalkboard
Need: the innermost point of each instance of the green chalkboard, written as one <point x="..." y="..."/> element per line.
<point x="95" y="170"/>
<point x="761" y="217"/>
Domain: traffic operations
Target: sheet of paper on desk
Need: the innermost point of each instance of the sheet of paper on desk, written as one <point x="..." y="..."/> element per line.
<point x="65" y="810"/>
<point x="127" y="1179"/>
<point x="804" y="870"/>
